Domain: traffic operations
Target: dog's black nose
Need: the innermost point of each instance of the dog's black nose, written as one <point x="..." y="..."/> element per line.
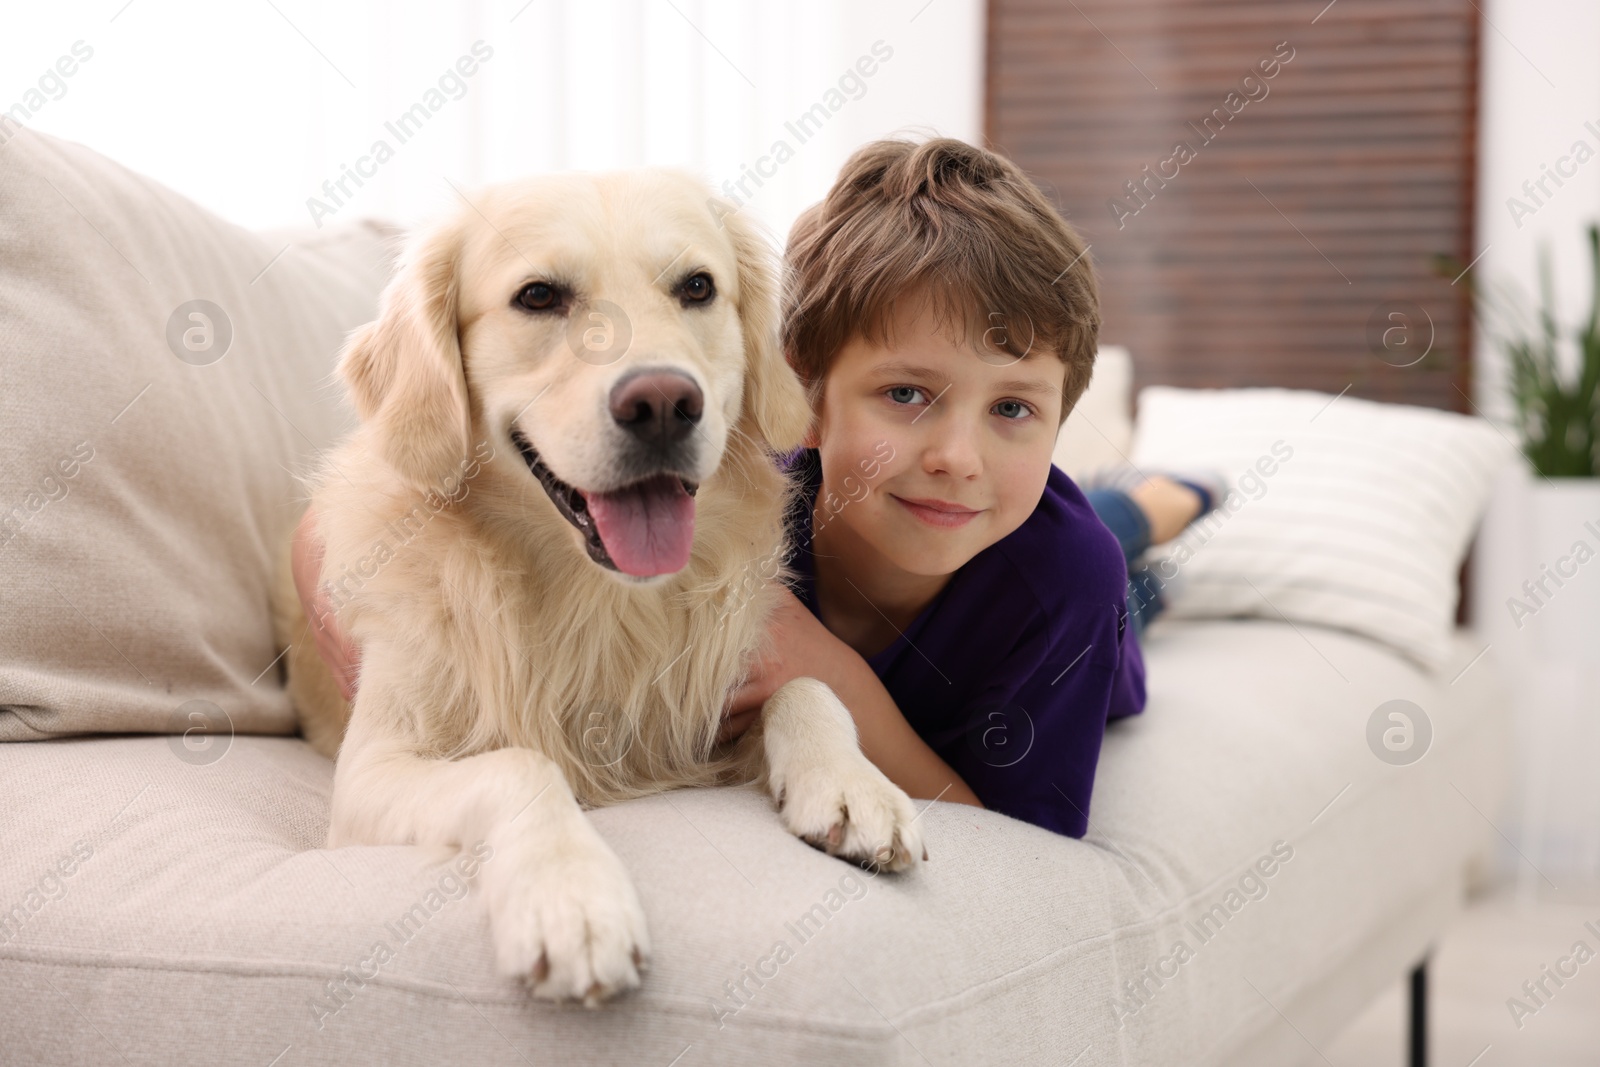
<point x="658" y="407"/>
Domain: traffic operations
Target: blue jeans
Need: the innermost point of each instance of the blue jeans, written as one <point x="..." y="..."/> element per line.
<point x="1127" y="523"/>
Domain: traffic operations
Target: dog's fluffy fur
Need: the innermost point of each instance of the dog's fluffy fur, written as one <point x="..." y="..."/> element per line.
<point x="508" y="679"/>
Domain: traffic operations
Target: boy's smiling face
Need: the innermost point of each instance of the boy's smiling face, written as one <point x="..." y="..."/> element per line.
<point x="972" y="431"/>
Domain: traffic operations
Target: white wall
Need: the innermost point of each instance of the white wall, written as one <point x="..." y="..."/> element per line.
<point x="1541" y="85"/>
<point x="249" y="108"/>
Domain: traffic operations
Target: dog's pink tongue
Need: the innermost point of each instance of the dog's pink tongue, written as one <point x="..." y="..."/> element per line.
<point x="647" y="528"/>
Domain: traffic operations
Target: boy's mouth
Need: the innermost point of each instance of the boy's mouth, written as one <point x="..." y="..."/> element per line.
<point x="939" y="513"/>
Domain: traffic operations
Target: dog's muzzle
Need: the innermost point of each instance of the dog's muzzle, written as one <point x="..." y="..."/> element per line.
<point x="644" y="528"/>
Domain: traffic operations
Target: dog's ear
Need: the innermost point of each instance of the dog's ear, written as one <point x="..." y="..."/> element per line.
<point x="404" y="371"/>
<point x="774" y="400"/>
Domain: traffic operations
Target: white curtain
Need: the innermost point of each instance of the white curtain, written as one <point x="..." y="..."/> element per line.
<point x="250" y="106"/>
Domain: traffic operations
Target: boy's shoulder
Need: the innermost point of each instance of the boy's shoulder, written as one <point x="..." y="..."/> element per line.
<point x="1065" y="556"/>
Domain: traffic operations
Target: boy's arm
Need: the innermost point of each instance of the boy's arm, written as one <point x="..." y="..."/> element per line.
<point x="1029" y="743"/>
<point x="1127" y="691"/>
<point x="804" y="647"/>
<point x="887" y="739"/>
<point x="342" y="655"/>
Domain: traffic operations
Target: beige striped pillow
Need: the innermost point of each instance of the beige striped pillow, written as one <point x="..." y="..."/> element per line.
<point x="1341" y="512"/>
<point x="162" y="375"/>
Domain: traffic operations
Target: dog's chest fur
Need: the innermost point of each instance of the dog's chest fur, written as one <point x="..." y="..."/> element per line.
<point x="622" y="686"/>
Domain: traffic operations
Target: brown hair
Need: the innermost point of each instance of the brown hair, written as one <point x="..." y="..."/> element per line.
<point x="963" y="222"/>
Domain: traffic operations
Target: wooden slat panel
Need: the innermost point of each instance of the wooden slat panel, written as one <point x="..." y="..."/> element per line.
<point x="1263" y="260"/>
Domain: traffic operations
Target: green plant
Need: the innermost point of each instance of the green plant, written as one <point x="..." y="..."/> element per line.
<point x="1558" y="415"/>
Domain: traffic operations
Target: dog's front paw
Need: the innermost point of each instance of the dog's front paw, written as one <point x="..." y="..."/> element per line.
<point x="849" y="808"/>
<point x="566" y="919"/>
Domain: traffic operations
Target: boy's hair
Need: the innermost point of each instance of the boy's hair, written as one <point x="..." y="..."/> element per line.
<point x="966" y="223"/>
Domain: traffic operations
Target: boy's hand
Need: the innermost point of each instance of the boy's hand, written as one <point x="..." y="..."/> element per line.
<point x="790" y="629"/>
<point x="342" y="656"/>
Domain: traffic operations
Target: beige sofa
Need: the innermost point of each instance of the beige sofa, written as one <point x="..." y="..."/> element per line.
<point x="164" y="896"/>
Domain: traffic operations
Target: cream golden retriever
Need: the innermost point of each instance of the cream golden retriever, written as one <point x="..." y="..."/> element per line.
<point x="553" y="534"/>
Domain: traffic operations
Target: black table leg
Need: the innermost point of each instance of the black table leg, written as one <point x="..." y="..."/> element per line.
<point x="1419" y="1015"/>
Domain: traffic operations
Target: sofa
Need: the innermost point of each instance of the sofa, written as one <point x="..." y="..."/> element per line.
<point x="1254" y="873"/>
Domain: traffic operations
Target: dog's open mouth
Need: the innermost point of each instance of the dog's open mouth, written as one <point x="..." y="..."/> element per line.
<point x="642" y="529"/>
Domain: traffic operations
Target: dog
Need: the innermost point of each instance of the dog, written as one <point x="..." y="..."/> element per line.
<point x="555" y="533"/>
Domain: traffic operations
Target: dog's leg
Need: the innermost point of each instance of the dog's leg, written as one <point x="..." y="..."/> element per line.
<point x="828" y="792"/>
<point x="562" y="909"/>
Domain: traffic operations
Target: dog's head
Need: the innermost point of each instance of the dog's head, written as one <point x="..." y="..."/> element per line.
<point x="614" y="331"/>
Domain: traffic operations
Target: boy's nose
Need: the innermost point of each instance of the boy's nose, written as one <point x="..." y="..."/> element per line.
<point x="953" y="449"/>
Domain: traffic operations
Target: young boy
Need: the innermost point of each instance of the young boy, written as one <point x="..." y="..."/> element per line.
<point x="944" y="319"/>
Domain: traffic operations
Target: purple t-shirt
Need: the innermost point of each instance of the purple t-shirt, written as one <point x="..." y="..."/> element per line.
<point x="1011" y="672"/>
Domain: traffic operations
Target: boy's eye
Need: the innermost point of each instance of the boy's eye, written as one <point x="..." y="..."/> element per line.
<point x="903" y="394"/>
<point x="1012" y="409"/>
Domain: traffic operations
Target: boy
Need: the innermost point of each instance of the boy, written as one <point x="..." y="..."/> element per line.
<point x="944" y="320"/>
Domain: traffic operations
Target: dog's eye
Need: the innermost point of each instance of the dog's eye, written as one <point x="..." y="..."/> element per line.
<point x="537" y="296"/>
<point x="698" y="288"/>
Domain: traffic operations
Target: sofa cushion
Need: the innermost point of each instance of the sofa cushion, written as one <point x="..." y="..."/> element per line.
<point x="162" y="372"/>
<point x="179" y="909"/>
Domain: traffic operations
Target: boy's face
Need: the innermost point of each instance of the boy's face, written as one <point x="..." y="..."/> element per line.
<point x="970" y="428"/>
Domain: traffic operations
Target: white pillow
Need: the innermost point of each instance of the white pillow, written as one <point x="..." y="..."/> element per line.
<point x="1340" y="512"/>
<point x="1098" y="432"/>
